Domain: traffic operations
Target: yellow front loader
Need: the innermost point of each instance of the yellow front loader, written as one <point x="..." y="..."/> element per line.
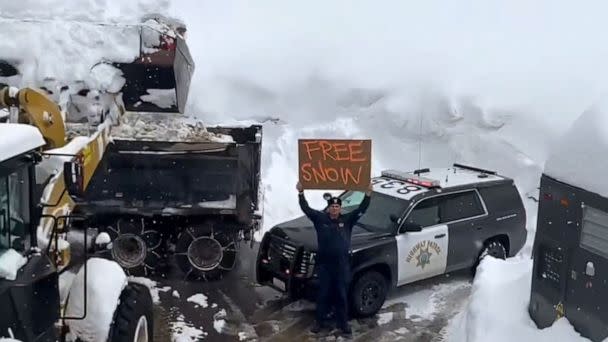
<point x="32" y="106"/>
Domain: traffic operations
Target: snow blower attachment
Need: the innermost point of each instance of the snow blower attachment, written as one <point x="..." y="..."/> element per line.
<point x="159" y="79"/>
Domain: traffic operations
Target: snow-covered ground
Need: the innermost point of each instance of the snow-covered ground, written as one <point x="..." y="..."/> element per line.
<point x="491" y="84"/>
<point x="498" y="307"/>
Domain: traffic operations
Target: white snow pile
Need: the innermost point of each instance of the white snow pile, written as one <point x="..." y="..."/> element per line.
<point x="65" y="38"/>
<point x="163" y="98"/>
<point x="498" y="308"/>
<point x="10" y="263"/>
<point x="199" y="299"/>
<point x="18" y="138"/>
<point x="219" y="321"/>
<point x="385" y="318"/>
<point x="175" y="294"/>
<point x="65" y="282"/>
<point x="105" y="282"/>
<point x="94" y="11"/>
<point x="105" y="77"/>
<point x="165" y="127"/>
<point x="150" y="284"/>
<point x="578" y="156"/>
<point x="182" y="331"/>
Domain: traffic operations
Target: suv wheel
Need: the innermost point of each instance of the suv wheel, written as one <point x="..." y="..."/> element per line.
<point x="367" y="294"/>
<point x="494" y="248"/>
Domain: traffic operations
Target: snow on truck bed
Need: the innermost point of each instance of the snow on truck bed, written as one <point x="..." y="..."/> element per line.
<point x="578" y="156"/>
<point x="157" y="127"/>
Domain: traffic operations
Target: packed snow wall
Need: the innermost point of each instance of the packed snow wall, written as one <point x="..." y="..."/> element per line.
<point x="491" y="85"/>
<point x="431" y="83"/>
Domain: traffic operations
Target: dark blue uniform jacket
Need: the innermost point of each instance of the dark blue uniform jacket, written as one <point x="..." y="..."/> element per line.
<point x="333" y="236"/>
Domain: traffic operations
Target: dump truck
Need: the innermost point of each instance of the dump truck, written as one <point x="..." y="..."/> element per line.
<point x="162" y="185"/>
<point x="183" y="191"/>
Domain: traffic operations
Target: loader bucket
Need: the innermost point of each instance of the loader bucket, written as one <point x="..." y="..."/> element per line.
<point x="159" y="80"/>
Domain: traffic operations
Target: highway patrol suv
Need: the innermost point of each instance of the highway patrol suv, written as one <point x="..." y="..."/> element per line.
<point x="418" y="225"/>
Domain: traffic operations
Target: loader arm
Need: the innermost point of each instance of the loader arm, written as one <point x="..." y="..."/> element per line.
<point x="38" y="110"/>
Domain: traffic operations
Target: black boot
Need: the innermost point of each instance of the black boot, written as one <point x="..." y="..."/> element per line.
<point x="346" y="330"/>
<point x="318" y="327"/>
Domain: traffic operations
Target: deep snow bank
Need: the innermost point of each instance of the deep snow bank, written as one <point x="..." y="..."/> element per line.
<point x="495" y="83"/>
<point x="577" y="157"/>
<point x="63" y="39"/>
<point x="100" y="11"/>
<point x="498" y="308"/>
<point x="10" y="263"/>
<point x="102" y="299"/>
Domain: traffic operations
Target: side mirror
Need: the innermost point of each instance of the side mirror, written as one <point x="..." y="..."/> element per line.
<point x="73" y="176"/>
<point x="394" y="218"/>
<point x="412" y="227"/>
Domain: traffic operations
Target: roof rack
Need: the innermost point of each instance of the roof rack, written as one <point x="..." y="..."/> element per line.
<point x="466" y="167"/>
<point x="417" y="172"/>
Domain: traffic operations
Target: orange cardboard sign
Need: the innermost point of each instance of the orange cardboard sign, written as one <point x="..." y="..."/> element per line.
<point x="335" y="164"/>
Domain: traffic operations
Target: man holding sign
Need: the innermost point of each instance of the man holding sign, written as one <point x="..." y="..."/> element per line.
<point x="333" y="264"/>
<point x="334" y="165"/>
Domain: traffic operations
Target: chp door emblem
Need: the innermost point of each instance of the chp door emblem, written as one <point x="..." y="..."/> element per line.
<point x="423" y="252"/>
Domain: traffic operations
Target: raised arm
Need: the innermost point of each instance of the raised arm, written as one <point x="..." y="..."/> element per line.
<point x="308" y="211"/>
<point x="359" y="211"/>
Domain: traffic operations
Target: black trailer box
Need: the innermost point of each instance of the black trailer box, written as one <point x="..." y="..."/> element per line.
<point x="570" y="271"/>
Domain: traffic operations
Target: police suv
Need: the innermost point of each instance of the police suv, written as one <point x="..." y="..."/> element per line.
<point x="418" y="225"/>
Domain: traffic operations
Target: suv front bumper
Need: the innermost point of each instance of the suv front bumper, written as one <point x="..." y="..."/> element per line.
<point x="286" y="267"/>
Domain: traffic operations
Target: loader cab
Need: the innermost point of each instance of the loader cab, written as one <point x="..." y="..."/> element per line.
<point x="18" y="209"/>
<point x="29" y="295"/>
<point x="15" y="205"/>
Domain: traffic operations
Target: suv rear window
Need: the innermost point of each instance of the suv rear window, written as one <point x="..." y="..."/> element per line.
<point x="460" y="206"/>
<point x="446" y="208"/>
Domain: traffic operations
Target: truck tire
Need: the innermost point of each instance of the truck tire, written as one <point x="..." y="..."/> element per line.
<point x="367" y="294"/>
<point x="206" y="252"/>
<point x="494" y="248"/>
<point x="133" y="319"/>
<point x="134" y="248"/>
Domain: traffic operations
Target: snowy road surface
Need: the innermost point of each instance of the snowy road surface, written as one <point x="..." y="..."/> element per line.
<point x="235" y="308"/>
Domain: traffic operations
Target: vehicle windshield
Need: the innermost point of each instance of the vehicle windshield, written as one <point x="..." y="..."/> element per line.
<point x="377" y="217"/>
<point x="14" y="210"/>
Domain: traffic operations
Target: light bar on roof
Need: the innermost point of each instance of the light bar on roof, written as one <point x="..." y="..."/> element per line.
<point x="411" y="178"/>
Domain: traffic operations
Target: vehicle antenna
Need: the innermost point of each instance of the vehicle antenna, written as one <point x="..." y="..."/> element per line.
<point x="420" y="143"/>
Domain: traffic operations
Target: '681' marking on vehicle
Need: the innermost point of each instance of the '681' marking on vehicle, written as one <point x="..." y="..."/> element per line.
<point x="400" y="187"/>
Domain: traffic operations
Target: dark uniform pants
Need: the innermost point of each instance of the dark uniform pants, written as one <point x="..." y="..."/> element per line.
<point x="334" y="279"/>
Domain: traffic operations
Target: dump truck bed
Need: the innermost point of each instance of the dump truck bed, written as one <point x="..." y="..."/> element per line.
<point x="159" y="167"/>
